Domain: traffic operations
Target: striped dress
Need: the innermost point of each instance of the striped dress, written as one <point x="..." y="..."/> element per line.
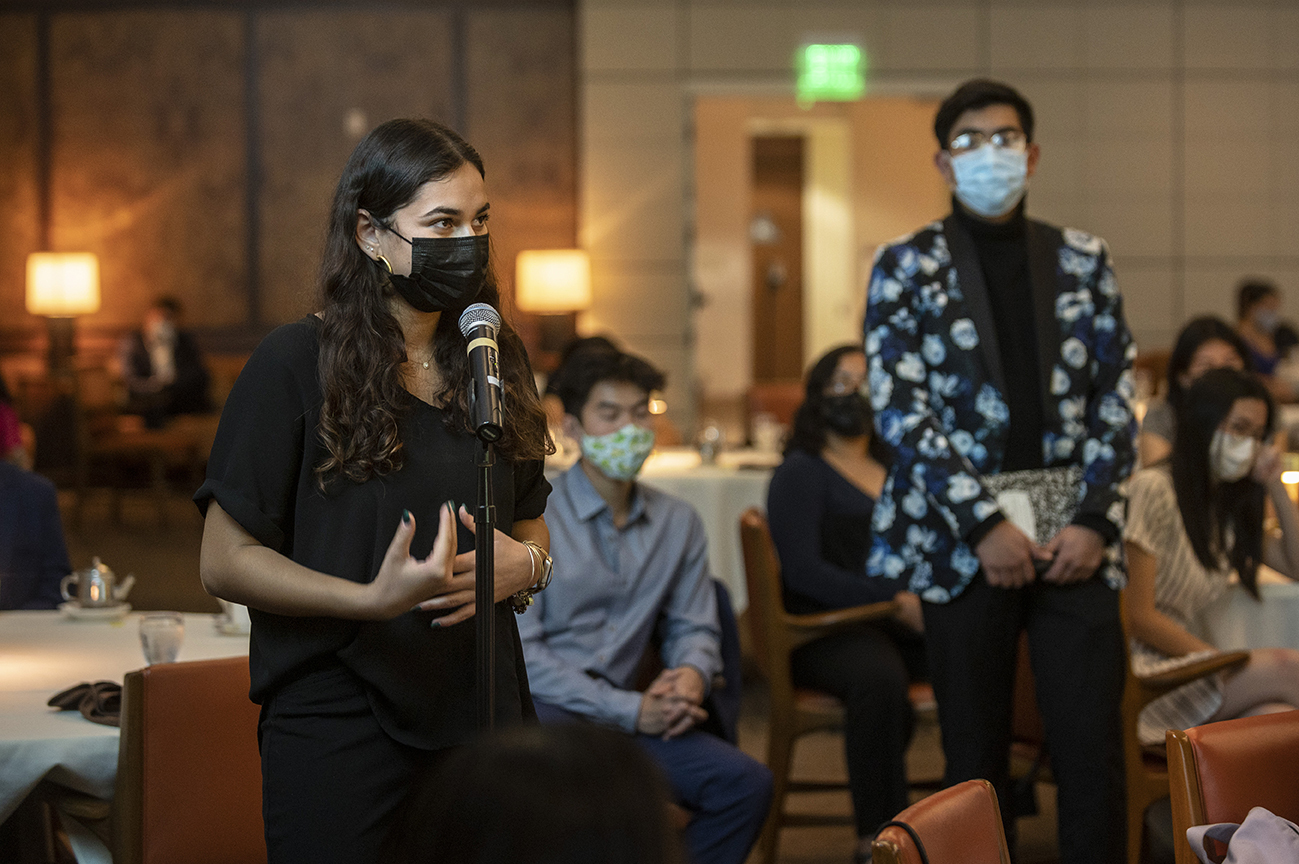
<point x="1183" y="588"/>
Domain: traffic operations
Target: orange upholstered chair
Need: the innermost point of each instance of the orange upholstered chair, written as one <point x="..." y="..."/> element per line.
<point x="189" y="779"/>
<point x="1218" y="771"/>
<point x="959" y="825"/>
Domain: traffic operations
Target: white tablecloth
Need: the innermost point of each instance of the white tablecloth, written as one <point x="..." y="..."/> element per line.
<point x="1240" y="621"/>
<point x="42" y="653"/>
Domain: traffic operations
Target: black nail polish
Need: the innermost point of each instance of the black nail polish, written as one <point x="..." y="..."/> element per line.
<point x="435" y="623"/>
<point x="405" y="517"/>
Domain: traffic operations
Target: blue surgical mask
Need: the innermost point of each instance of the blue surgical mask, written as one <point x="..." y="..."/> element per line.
<point x="991" y="180"/>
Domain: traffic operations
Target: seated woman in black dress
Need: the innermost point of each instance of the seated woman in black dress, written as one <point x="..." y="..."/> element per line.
<point x="820" y="504"/>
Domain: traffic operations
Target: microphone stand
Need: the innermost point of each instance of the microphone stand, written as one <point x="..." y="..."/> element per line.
<point x="485" y="587"/>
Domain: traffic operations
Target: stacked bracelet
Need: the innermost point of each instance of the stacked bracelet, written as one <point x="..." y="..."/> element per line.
<point x="521" y="600"/>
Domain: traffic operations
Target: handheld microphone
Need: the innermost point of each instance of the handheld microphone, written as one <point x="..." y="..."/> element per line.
<point x="480" y="323"/>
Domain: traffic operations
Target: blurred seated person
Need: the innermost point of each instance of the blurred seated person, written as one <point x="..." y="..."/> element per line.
<point x="1258" y="314"/>
<point x="1194" y="521"/>
<point x="819" y="504"/>
<point x="15" y="437"/>
<point x="631" y="562"/>
<point x="577" y="794"/>
<point x="1205" y="343"/>
<point x="162" y="367"/>
<point x="33" y="557"/>
<point x="666" y="433"/>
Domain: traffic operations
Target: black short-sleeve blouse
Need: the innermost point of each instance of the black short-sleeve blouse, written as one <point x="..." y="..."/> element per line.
<point x="420" y="679"/>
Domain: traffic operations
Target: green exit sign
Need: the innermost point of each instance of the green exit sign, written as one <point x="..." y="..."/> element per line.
<point x="831" y="73"/>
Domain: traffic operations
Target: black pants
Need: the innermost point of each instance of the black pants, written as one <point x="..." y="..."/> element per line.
<point x="869" y="668"/>
<point x="1076" y="644"/>
<point x="333" y="782"/>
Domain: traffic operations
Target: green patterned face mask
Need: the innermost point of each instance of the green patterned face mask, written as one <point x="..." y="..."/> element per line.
<point x="620" y="454"/>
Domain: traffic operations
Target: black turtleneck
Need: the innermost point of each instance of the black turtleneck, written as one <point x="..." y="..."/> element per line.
<point x="1003" y="258"/>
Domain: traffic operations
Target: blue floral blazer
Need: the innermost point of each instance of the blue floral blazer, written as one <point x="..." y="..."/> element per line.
<point x="939" y="394"/>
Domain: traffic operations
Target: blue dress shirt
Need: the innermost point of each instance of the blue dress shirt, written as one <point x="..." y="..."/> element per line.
<point x="612" y="587"/>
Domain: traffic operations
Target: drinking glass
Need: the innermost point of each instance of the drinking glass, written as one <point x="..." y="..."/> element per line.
<point x="161" y="634"/>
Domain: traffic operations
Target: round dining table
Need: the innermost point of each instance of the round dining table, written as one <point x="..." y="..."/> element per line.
<point x="42" y="653"/>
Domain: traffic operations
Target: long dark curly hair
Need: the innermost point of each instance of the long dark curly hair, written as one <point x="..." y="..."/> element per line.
<point x="809" y="429"/>
<point x="1223" y="521"/>
<point x="361" y="344"/>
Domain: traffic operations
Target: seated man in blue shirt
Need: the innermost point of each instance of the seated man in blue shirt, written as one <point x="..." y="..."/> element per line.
<point x="33" y="557"/>
<point x="631" y="561"/>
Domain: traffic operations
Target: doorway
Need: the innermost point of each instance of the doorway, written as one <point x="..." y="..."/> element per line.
<point x="776" y="236"/>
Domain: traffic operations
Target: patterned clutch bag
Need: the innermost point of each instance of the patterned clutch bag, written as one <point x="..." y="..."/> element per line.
<point x="1038" y="501"/>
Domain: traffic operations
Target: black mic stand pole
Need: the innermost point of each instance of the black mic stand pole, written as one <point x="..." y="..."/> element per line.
<point x="485" y="587"/>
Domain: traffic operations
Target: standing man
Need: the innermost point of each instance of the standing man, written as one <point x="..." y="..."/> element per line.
<point x="631" y="564"/>
<point x="1000" y="371"/>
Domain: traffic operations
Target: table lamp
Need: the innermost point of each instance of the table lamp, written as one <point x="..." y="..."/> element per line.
<point x="61" y="286"/>
<point x="555" y="284"/>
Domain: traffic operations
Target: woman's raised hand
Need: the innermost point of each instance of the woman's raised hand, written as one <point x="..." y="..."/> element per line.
<point x="1267" y="464"/>
<point x="514" y="571"/>
<point x="404" y="581"/>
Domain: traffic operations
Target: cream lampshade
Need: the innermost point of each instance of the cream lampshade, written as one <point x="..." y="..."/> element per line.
<point x="61" y="286"/>
<point x="551" y="281"/>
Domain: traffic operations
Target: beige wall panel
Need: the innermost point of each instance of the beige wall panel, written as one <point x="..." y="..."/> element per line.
<point x="1138" y="165"/>
<point x="18" y="220"/>
<point x="930" y="37"/>
<point x="1057" y="192"/>
<point x="148" y="158"/>
<point x="1040" y="36"/>
<point x="1148" y="304"/>
<point x="632" y="202"/>
<point x="1131" y="222"/>
<point x="1228" y="36"/>
<point x="1130" y="107"/>
<point x="1129" y="37"/>
<point x="620" y="38"/>
<point x="327" y="78"/>
<point x="621" y="113"/>
<point x="521" y="80"/>
<point x="1232" y="225"/>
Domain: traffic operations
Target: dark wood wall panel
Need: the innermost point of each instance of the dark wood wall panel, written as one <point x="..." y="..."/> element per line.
<point x="148" y="167"/>
<point x="19" y="221"/>
<point x="195" y="146"/>
<point x="521" y="117"/>
<point x="327" y="78"/>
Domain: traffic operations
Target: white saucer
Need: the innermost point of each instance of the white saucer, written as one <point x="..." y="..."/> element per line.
<point x="94" y="613"/>
<point x="229" y="628"/>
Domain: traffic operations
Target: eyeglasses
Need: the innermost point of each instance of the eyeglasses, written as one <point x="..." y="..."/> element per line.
<point x="1002" y="139"/>
<point x="844" y="386"/>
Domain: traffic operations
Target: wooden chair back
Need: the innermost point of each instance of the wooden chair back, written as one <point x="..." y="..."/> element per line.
<point x="768" y="630"/>
<point x="189" y="779"/>
<point x="958" y="825"/>
<point x="1218" y="771"/>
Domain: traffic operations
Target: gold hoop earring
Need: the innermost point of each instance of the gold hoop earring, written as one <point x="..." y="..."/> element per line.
<point x="385" y="262"/>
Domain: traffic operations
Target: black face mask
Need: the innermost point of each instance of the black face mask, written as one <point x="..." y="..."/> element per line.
<point x="848" y="415"/>
<point x="446" y="273"/>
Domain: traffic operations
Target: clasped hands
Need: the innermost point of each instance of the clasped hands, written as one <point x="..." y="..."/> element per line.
<point x="443" y="580"/>
<point x="670" y="705"/>
<point x="1008" y="556"/>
